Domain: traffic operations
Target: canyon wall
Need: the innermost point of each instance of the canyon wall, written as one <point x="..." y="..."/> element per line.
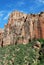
<point x="22" y="28"/>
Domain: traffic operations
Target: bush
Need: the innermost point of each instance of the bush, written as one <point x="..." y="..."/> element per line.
<point x="20" y="55"/>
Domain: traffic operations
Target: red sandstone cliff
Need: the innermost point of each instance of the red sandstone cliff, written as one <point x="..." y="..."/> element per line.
<point x="35" y="21"/>
<point x="22" y="28"/>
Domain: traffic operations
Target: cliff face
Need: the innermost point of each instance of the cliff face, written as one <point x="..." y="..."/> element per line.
<point x="1" y="37"/>
<point x="22" y="28"/>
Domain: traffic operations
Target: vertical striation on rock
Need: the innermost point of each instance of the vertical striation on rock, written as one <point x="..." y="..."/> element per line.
<point x="21" y="28"/>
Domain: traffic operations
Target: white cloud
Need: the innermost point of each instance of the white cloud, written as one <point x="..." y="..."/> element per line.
<point x="38" y="4"/>
<point x="6" y="17"/>
<point x="17" y="4"/>
<point x="21" y="3"/>
<point x="41" y="1"/>
<point x="1" y="13"/>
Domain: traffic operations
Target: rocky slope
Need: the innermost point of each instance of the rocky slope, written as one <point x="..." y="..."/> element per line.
<point x="22" y="28"/>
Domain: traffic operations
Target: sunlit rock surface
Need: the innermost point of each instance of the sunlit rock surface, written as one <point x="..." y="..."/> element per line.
<point x="22" y="28"/>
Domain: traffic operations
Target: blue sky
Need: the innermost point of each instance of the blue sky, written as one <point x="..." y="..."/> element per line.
<point x="26" y="6"/>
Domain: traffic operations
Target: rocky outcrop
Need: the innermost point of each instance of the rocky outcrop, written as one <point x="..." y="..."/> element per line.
<point x="36" y="45"/>
<point x="22" y="28"/>
<point x="1" y="37"/>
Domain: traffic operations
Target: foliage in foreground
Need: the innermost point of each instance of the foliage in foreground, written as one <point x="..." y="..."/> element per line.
<point x="21" y="55"/>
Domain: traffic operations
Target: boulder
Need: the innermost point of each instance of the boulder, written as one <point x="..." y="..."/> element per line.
<point x="37" y="45"/>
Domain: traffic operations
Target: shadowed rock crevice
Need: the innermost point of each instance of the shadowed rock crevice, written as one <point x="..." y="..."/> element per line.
<point x="39" y="29"/>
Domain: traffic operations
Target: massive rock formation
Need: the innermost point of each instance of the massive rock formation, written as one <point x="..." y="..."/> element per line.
<point x="22" y="28"/>
<point x="1" y="37"/>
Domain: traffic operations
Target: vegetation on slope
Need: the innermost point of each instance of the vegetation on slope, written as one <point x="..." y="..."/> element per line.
<point x="21" y="55"/>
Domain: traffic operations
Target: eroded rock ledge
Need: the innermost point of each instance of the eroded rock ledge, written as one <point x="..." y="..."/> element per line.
<point x="22" y="28"/>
